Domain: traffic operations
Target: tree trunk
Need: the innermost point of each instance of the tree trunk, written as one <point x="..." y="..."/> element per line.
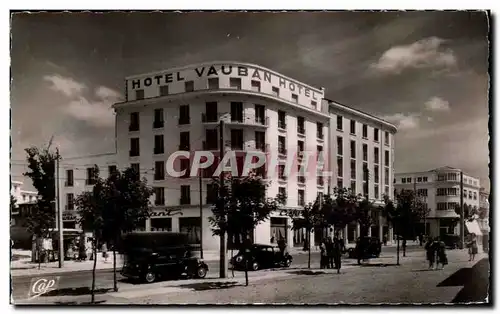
<point x="94" y="253"/>
<point x="309" y="249"/>
<point x="115" y="283"/>
<point x="232" y="267"/>
<point x="404" y="248"/>
<point x="246" y="269"/>
<point x="397" y="250"/>
<point x="38" y="253"/>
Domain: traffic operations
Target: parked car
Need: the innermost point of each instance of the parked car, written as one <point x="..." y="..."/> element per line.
<point x="452" y="241"/>
<point x="367" y="247"/>
<point x="152" y="256"/>
<point x="261" y="256"/>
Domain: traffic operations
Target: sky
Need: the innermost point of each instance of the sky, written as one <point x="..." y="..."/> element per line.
<point x="426" y="72"/>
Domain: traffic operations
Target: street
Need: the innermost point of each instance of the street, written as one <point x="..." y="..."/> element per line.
<point x="104" y="278"/>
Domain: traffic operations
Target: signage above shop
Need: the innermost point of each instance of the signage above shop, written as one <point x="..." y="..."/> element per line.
<point x="167" y="212"/>
<point x="216" y="70"/>
<point x="290" y="212"/>
<point x="69" y="215"/>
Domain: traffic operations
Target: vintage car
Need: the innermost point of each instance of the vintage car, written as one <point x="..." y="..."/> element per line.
<point x="261" y="256"/>
<point x="152" y="256"/>
<point x="366" y="248"/>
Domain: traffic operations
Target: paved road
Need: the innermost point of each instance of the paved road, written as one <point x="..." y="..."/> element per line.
<point x="411" y="282"/>
<point x="104" y="278"/>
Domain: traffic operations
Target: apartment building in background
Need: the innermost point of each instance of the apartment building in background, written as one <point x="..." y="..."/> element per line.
<point x="180" y="110"/>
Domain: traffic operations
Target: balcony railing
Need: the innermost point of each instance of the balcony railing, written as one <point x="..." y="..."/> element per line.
<point x="68" y="183"/>
<point x="301" y="179"/>
<point x="281" y="125"/>
<point x="320" y="136"/>
<point x="301" y="131"/>
<point x="320" y="181"/>
<point x="183" y="121"/>
<point x="282" y="151"/>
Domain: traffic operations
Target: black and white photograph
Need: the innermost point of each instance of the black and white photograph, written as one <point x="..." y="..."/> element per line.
<point x="250" y="157"/>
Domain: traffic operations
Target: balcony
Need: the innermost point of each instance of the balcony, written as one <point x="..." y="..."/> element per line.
<point x="185" y="201"/>
<point x="68" y="183"/>
<point x="301" y="131"/>
<point x="282" y="178"/>
<point x="210" y="118"/>
<point x="210" y="145"/>
<point x="184" y="121"/>
<point x="158" y="124"/>
<point x="282" y="152"/>
<point x="320" y="181"/>
<point x="301" y="180"/>
<point x="249" y="120"/>
<point x="133" y="127"/>
<point x="184" y="147"/>
<point x="133" y="153"/>
<point x="158" y="150"/>
<point x="320" y="136"/>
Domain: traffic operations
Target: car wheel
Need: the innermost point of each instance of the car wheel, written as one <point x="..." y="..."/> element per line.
<point x="201" y="272"/>
<point x="288" y="262"/>
<point x="255" y="266"/>
<point x="150" y="277"/>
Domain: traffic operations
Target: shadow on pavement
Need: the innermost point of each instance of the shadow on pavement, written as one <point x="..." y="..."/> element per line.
<point x="203" y="286"/>
<point x="475" y="282"/>
<point x="378" y="265"/>
<point x="307" y="272"/>
<point x="81" y="303"/>
<point x="74" y="292"/>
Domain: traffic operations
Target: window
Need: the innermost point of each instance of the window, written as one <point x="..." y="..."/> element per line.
<point x="340" y="146"/>
<point x="353" y="149"/>
<point x="386" y="176"/>
<point x="340" y="167"/>
<point x="301" y="200"/>
<point x="470" y="194"/>
<point x="281" y="145"/>
<point x="339" y="123"/>
<point x="192" y="227"/>
<point x="475" y="195"/>
<point x="134" y="147"/>
<point x="375" y="134"/>
<point x="184" y="114"/>
<point x="158" y="119"/>
<point x="465" y="193"/>
<point x="353" y="187"/>
<point x="452" y="205"/>
<point x="319" y="153"/>
<point x="281" y="172"/>
<point x="365" y="131"/>
<point x="386" y="190"/>
<point x="403" y="180"/>
<point x="164" y="90"/>
<point x="111" y="170"/>
<point x="159" y="145"/>
<point x="452" y="177"/>
<point x="442" y="206"/>
<point x="184" y="142"/>
<point x="376" y="191"/>
<point x="365" y="171"/>
<point x="319" y="130"/>
<point x="134" y="122"/>
<point x="136" y="168"/>
<point x="189" y="86"/>
<point x="185" y="166"/>
<point x="353" y="169"/>
<point x="365" y="189"/>
<point x="256" y="86"/>
<point x="386" y="138"/>
<point x="237" y="139"/>
<point x="452" y="191"/>
<point x="441" y="192"/>
<point x="159" y="195"/>
<point x="376" y="157"/>
<point x="139" y="94"/>
<point x="365" y="152"/>
<point x="211" y="112"/>
<point x="300" y="125"/>
<point x="282" y="192"/>
<point x="70" y="203"/>
<point x="314" y="104"/>
<point x="260" y="114"/>
<point x="185" y="195"/>
<point x="300" y="146"/>
<point x="424" y="179"/>
<point x="419" y="179"/>
<point x="441" y="177"/>
<point x="376" y="173"/>
<point x="160" y="224"/>
<point x="295" y="98"/>
<point x="235" y="83"/>
<point x="281" y="120"/>
<point x="422" y="192"/>
<point x="69" y="178"/>
<point x="276" y="91"/>
<point x="408" y="180"/>
<point x="236" y="111"/>
<point x="260" y="140"/>
<point x="211" y="193"/>
<point x="91" y="176"/>
<point x="353" y="127"/>
<point x="386" y="159"/>
<point x="340" y="183"/>
<point x="213" y="83"/>
<point x="159" y="170"/>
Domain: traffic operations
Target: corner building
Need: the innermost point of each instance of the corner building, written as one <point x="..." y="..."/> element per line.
<point x="180" y="109"/>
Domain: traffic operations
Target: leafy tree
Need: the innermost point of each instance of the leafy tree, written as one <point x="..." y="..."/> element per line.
<point x="128" y="205"/>
<point x="339" y="211"/>
<point x="41" y="165"/>
<point x="91" y="207"/>
<point x="308" y="219"/>
<point x="245" y="206"/>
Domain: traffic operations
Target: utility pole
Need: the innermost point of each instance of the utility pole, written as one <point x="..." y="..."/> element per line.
<point x="462" y="210"/>
<point x="59" y="212"/>
<point x="223" y="257"/>
<point x="201" y="215"/>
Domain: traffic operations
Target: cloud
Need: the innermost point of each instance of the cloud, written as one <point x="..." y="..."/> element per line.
<point x="437" y="104"/>
<point x="107" y="93"/>
<point x="404" y="122"/>
<point x="425" y="53"/>
<point x="97" y="113"/>
<point x="65" y="85"/>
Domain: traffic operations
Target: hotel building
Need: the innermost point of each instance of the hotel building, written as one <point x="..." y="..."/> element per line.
<point x="263" y="111"/>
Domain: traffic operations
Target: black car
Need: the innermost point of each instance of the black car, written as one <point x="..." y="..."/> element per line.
<point x="366" y="248"/>
<point x="261" y="256"/>
<point x="452" y="241"/>
<point x="151" y="256"/>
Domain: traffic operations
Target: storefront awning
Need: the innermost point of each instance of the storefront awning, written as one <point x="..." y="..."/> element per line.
<point x="446" y="214"/>
<point x="473" y="227"/>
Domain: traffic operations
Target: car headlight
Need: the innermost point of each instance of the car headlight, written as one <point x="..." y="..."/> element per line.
<point x="239" y="258"/>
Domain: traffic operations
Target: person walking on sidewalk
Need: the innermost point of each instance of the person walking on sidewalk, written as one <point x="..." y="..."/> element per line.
<point x="472" y="247"/>
<point x="323" y="261"/>
<point x="430" y="252"/>
<point x="329" y="252"/>
<point x="104" y="250"/>
<point x="441" y="253"/>
<point x="338" y="248"/>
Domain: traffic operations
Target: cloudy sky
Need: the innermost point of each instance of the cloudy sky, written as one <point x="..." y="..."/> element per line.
<point x="427" y="72"/>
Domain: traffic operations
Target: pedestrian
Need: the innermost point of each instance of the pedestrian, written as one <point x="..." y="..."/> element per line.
<point x="282" y="246"/>
<point x="430" y="253"/>
<point x="323" y="257"/>
<point x="329" y="253"/>
<point x="338" y="248"/>
<point x="421" y="239"/>
<point x="384" y="239"/>
<point x="440" y="248"/>
<point x="104" y="250"/>
<point x="472" y="246"/>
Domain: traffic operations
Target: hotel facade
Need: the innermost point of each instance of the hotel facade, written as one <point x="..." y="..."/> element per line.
<point x="263" y="111"/>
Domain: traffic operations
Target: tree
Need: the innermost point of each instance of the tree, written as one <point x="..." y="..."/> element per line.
<point x="41" y="165"/>
<point x="91" y="207"/>
<point x="404" y="214"/>
<point x="245" y="206"/>
<point x="308" y="218"/>
<point x="339" y="211"/>
<point x="128" y="205"/>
